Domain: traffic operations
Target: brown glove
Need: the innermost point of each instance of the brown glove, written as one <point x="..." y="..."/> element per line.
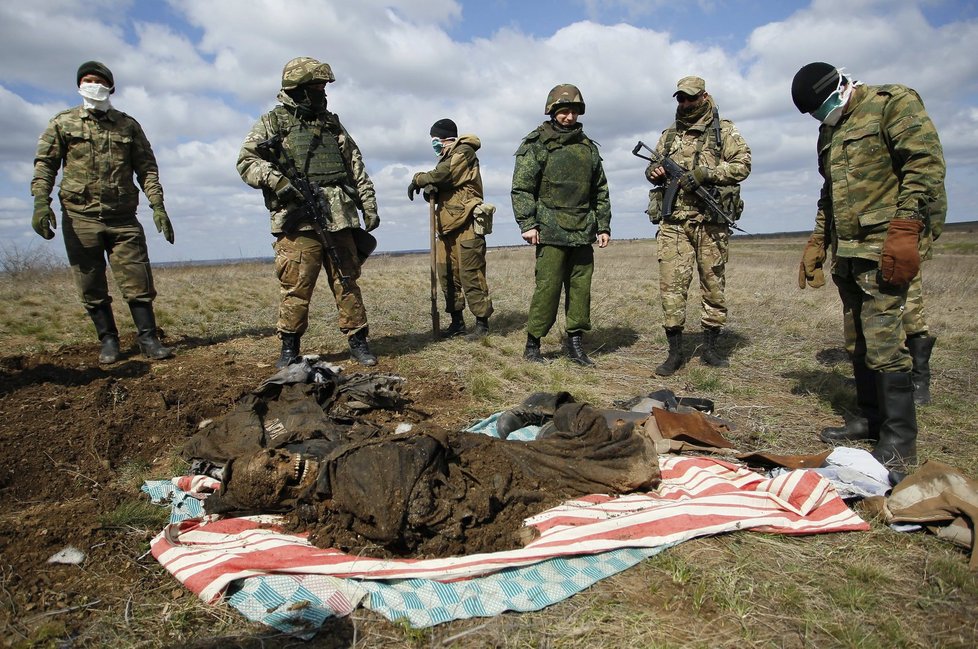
<point x="900" y="260"/>
<point x="810" y="268"/>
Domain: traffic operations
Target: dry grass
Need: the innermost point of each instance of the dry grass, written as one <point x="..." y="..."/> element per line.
<point x="788" y="377"/>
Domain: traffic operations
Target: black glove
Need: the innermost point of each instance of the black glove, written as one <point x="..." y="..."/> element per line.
<point x="429" y="192"/>
<point x="287" y="194"/>
<point x="413" y="190"/>
<point x="694" y="178"/>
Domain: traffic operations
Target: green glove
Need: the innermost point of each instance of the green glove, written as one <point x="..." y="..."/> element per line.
<point x="694" y="178"/>
<point x="287" y="194"/>
<point x="370" y="220"/>
<point x="44" y="221"/>
<point x="162" y="222"/>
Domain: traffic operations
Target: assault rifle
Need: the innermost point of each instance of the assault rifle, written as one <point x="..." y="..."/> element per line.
<point x="315" y="209"/>
<point x="674" y="172"/>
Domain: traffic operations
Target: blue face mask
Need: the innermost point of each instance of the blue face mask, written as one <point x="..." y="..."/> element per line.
<point x="437" y="145"/>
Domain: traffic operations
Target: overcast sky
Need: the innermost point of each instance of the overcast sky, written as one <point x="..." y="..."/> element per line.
<point x="197" y="74"/>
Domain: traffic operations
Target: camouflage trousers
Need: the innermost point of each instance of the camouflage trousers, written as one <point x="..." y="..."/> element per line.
<point x="566" y="269"/>
<point x="298" y="260"/>
<point x="914" y="322"/>
<point x="89" y="241"/>
<point x="872" y="315"/>
<point x="460" y="257"/>
<point x="681" y="246"/>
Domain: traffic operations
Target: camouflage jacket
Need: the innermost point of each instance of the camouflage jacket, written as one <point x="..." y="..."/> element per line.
<point x="882" y="161"/>
<point x="697" y="146"/>
<point x="99" y="153"/>
<point x="459" y="182"/>
<point x="559" y="187"/>
<point x="264" y="175"/>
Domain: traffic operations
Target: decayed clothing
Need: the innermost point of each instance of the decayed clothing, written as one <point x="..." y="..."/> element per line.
<point x="560" y="188"/>
<point x="882" y="161"/>
<point x="323" y="151"/>
<point x="691" y="237"/>
<point x="327" y="143"/>
<point x="99" y="153"/>
<point x="460" y="252"/>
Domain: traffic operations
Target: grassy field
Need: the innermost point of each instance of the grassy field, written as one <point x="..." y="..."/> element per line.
<point x="788" y="377"/>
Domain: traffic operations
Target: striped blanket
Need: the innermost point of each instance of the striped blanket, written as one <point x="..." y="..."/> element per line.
<point x="698" y="496"/>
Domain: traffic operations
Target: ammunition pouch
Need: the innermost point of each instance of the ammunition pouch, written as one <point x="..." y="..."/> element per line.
<point x="655" y="204"/>
<point x="728" y="196"/>
<point x="482" y="218"/>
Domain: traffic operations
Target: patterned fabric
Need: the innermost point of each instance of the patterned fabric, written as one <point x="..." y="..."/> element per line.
<point x="281" y="580"/>
<point x="681" y="248"/>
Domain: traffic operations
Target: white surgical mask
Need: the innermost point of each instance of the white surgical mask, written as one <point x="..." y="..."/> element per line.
<point x="95" y="95"/>
<point x="831" y="109"/>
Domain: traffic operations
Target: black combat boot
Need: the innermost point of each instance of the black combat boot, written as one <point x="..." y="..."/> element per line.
<point x="360" y="350"/>
<point x="575" y="349"/>
<point x="867" y="425"/>
<point x="675" y="358"/>
<point x="146" y="334"/>
<point x="107" y="333"/>
<point x="711" y="355"/>
<point x="920" y="346"/>
<point x="457" y="327"/>
<point x="481" y="329"/>
<point x="290" y="349"/>
<point x="897" y="446"/>
<point x="532" y="350"/>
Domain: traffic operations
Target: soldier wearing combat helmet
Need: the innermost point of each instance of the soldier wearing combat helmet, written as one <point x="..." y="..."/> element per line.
<point x="100" y="150"/>
<point x="717" y="157"/>
<point x="561" y="203"/>
<point x="323" y="151"/>
<point x="883" y="169"/>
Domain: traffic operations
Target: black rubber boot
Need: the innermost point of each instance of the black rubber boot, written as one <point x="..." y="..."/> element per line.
<point x="290" y="349"/>
<point x="360" y="350"/>
<point x="481" y="329"/>
<point x="532" y="350"/>
<point x="920" y="347"/>
<point x="867" y="425"/>
<point x="457" y="327"/>
<point x="897" y="446"/>
<point x="108" y="333"/>
<point x="675" y="358"/>
<point x="146" y="333"/>
<point x="574" y="348"/>
<point x="711" y="355"/>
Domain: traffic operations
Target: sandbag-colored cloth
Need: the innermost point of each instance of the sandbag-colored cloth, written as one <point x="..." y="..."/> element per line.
<point x="943" y="499"/>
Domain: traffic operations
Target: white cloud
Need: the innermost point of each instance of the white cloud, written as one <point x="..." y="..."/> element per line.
<point x="197" y="91"/>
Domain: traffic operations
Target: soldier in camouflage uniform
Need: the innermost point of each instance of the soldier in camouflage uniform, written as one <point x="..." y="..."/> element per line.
<point x="461" y="220"/>
<point x="100" y="149"/>
<point x="326" y="154"/>
<point x="883" y="169"/>
<point x="716" y="155"/>
<point x="561" y="204"/>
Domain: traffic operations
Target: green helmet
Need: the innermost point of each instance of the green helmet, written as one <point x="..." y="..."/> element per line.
<point x="303" y="70"/>
<point x="564" y="95"/>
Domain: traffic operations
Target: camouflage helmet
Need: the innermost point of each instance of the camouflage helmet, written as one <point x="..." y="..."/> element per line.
<point x="303" y="70"/>
<point x="562" y="96"/>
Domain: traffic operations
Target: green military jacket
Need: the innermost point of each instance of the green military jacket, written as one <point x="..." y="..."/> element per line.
<point x="695" y="147"/>
<point x="560" y="188"/>
<point x="459" y="182"/>
<point x="265" y="175"/>
<point x="882" y="161"/>
<point x="100" y="153"/>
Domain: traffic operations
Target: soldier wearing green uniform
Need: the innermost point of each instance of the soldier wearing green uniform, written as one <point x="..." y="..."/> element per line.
<point x="461" y="224"/>
<point x="323" y="151"/>
<point x="883" y="169"/>
<point x="561" y="204"/>
<point x="716" y="156"/>
<point x="99" y="150"/>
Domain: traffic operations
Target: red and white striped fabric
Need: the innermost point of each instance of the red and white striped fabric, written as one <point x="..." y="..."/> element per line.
<point x="698" y="496"/>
